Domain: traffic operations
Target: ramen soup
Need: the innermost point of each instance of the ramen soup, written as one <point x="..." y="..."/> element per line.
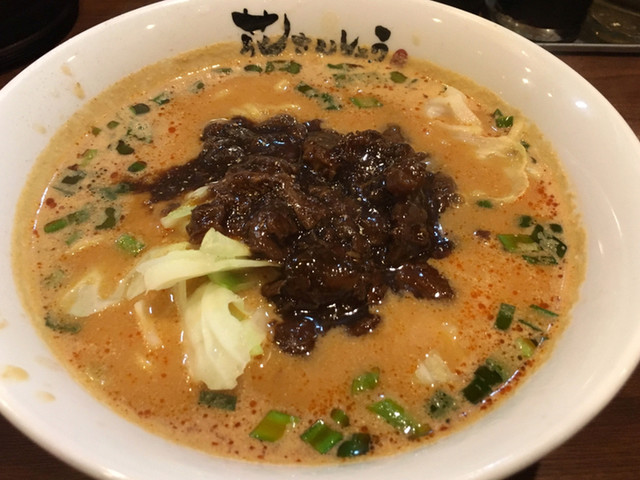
<point x="299" y="258"/>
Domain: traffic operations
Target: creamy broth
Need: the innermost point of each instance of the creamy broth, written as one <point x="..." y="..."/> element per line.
<point x="137" y="363"/>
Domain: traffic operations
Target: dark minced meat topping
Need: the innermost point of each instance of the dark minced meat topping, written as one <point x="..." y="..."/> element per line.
<point x="346" y="216"/>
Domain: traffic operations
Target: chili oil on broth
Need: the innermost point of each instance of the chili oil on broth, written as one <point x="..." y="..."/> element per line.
<point x="143" y="376"/>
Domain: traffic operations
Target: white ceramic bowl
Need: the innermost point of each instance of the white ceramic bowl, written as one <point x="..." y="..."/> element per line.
<point x="601" y="154"/>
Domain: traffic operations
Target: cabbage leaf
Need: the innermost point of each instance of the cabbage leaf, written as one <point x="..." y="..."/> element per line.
<point x="217" y="253"/>
<point x="218" y="344"/>
<point x="433" y="370"/>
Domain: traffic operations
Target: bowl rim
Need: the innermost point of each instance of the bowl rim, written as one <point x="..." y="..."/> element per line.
<point x="609" y="387"/>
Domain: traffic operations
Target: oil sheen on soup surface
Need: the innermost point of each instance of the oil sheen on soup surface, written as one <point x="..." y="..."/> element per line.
<point x="180" y="333"/>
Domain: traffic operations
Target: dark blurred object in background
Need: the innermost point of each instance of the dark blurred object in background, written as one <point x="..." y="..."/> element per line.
<point x="615" y="21"/>
<point x="541" y="20"/>
<point x="29" y="28"/>
<point x="473" y="6"/>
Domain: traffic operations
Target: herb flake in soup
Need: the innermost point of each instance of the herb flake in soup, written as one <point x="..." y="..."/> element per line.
<point x="301" y="257"/>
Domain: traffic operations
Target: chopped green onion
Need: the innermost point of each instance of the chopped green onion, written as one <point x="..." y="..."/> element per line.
<point x="341" y="79"/>
<point x="110" y="221"/>
<point x="95" y="131"/>
<point x="499" y="368"/>
<point x="540" y="260"/>
<point x="396" y="416"/>
<point x="124" y="148"/>
<point x="111" y="193"/>
<point x="88" y="155"/>
<point x="283" y="66"/>
<point x="74" y="177"/>
<point x="476" y="391"/>
<point x="306" y="89"/>
<point x="328" y="102"/>
<point x="70" y="180"/>
<point x="161" y="99"/>
<point x="518" y="242"/>
<point x="321" y="437"/>
<point x="530" y="325"/>
<point x="548" y="242"/>
<point x="79" y="216"/>
<point x="362" y="101"/>
<point x="538" y="233"/>
<point x="140" y="131"/>
<point x="293" y="67"/>
<point x="501" y="120"/>
<point x="561" y="248"/>
<point x="484" y="203"/>
<point x="75" y="218"/>
<point x="398" y="77"/>
<point x="440" y="404"/>
<point x="366" y="381"/>
<point x="73" y="238"/>
<point x="526" y="345"/>
<point x="488" y="375"/>
<point x="215" y="399"/>
<point x="197" y="87"/>
<point x="340" y="417"/>
<point x="272" y="427"/>
<point x="504" y="122"/>
<point x="112" y="124"/>
<point x="61" y="325"/>
<point x="358" y="444"/>
<point x="55" y="225"/>
<point x="504" y="316"/>
<point x="525" y="221"/>
<point x="484" y="379"/>
<point x="539" y="309"/>
<point x="252" y="68"/>
<point x="525" y="144"/>
<point x="343" y="66"/>
<point x="140" y="108"/>
<point x="539" y="248"/>
<point x="137" y="166"/>
<point x="325" y="100"/>
<point x="130" y="244"/>
<point x="55" y="278"/>
<point x="222" y="70"/>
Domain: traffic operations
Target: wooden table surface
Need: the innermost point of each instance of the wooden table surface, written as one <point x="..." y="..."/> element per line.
<point x="608" y="448"/>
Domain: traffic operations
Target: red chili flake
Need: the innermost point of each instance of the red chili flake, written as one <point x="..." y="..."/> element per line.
<point x="399" y="58"/>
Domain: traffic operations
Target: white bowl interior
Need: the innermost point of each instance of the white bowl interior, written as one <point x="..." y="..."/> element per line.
<point x="601" y="154"/>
